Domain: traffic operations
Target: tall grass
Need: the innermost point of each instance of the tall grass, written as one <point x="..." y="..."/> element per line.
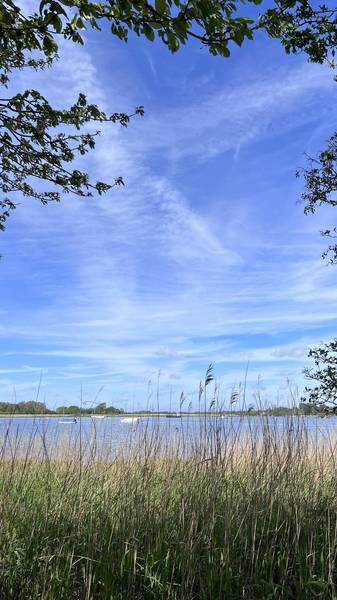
<point x="238" y="512"/>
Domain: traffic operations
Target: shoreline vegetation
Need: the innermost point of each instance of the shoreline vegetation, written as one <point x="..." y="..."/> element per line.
<point x="246" y="513"/>
<point x="39" y="409"/>
<point x="154" y="415"/>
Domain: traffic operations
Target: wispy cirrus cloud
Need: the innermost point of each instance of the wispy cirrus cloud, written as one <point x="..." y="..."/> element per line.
<point x="179" y="268"/>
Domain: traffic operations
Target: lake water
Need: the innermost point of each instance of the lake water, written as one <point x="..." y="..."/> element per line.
<point x="104" y="438"/>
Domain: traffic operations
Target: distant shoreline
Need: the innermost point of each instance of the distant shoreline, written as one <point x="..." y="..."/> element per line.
<point x="153" y="415"/>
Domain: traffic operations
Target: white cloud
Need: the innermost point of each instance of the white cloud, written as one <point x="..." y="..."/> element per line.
<point x="230" y="117"/>
<point x="291" y="352"/>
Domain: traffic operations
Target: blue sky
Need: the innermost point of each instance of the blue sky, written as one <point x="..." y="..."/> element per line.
<point x="204" y="256"/>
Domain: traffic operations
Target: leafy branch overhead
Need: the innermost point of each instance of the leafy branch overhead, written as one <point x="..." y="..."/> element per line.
<point x="301" y="25"/>
<point x="30" y="151"/>
<point x="212" y="23"/>
<point x="30" y="148"/>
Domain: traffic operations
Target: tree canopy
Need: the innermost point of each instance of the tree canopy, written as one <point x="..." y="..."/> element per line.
<point x="301" y="25"/>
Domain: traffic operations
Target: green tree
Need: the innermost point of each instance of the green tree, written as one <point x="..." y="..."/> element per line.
<point x="100" y="409"/>
<point x="321" y="189"/>
<point x="73" y="409"/>
<point x="112" y="410"/>
<point x="323" y="395"/>
<point x="30" y="147"/>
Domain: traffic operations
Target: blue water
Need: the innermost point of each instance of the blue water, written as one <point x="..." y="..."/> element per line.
<point x="106" y="437"/>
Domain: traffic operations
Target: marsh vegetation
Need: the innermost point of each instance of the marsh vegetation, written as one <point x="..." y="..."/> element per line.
<point x="240" y="513"/>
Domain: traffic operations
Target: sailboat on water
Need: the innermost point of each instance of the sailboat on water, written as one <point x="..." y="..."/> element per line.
<point x="130" y="420"/>
<point x="67" y="421"/>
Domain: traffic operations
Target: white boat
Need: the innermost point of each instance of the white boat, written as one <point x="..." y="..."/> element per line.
<point x="97" y="416"/>
<point x="68" y="421"/>
<point x="130" y="420"/>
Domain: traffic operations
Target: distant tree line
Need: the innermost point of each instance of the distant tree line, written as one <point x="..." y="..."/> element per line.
<point x="302" y="409"/>
<point x="40" y="408"/>
<point x="282" y="411"/>
<point x="23" y="408"/>
<point x="99" y="409"/>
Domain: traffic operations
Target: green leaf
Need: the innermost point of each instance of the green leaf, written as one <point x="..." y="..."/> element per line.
<point x="180" y="27"/>
<point x="5" y="17"/>
<point x="172" y="42"/>
<point x="57" y="24"/>
<point x="149" y="32"/>
<point x="224" y="51"/>
<point x="56" y="7"/>
<point x="80" y="24"/>
<point x="49" y="44"/>
<point x="239" y="37"/>
<point x="161" y="6"/>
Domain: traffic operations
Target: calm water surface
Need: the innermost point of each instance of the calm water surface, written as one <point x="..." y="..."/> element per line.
<point x="109" y="435"/>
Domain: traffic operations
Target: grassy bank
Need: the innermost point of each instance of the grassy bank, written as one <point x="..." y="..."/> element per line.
<point x="240" y="516"/>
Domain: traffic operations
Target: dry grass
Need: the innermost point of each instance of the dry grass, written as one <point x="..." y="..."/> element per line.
<point x="240" y="513"/>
